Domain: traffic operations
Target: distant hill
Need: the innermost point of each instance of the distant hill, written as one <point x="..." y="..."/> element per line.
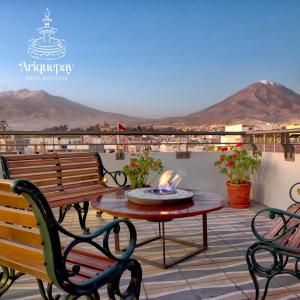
<point x="34" y="110"/>
<point x="260" y="102"/>
<point x="263" y="101"/>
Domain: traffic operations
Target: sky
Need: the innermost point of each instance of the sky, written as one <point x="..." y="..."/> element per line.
<point x="155" y="58"/>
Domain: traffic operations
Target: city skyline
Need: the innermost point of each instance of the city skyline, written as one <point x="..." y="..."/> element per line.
<point x="156" y="58"/>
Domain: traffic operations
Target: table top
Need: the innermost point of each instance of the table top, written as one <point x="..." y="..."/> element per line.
<point x="116" y="203"/>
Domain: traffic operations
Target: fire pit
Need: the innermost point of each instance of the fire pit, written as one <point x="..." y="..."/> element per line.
<point x="164" y="194"/>
<point x="157" y="196"/>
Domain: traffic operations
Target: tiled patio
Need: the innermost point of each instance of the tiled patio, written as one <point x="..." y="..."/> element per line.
<point x="218" y="273"/>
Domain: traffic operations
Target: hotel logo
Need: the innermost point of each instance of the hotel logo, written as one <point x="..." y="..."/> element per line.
<point x="46" y="47"/>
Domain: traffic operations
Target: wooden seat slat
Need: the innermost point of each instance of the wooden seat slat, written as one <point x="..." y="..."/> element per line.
<point x="79" y="178"/>
<point x="20" y="172"/>
<point x="13" y="200"/>
<point x="49" y="175"/>
<point x="29" y="157"/>
<point x="76" y="154"/>
<point x="17" y="216"/>
<point x="78" y="160"/>
<point x="28" y="163"/>
<point x="294" y="238"/>
<point x="56" y="200"/>
<point x="71" y="186"/>
<point x="277" y="227"/>
<point x="20" y="234"/>
<point x="80" y="193"/>
<point x="31" y="254"/>
<point x="78" y="167"/>
<point x="23" y="266"/>
<point x="89" y="171"/>
<point x="5" y="186"/>
<point x="49" y="190"/>
<point x="47" y="182"/>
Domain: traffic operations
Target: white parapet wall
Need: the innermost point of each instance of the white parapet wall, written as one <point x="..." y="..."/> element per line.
<point x="270" y="185"/>
<point x="274" y="180"/>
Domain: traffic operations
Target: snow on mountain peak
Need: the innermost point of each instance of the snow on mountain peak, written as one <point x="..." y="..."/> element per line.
<point x="268" y="82"/>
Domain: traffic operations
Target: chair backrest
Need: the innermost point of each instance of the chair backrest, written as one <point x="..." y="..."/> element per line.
<point x="55" y="172"/>
<point x="27" y="230"/>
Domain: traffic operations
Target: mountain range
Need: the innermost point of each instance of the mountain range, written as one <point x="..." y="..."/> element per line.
<point x="262" y="101"/>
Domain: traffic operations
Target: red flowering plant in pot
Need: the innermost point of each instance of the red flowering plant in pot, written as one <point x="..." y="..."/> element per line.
<point x="238" y="166"/>
<point x="139" y="168"/>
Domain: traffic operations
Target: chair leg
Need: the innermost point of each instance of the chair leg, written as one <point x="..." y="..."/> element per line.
<point x="134" y="288"/>
<point x="82" y="214"/>
<point x="7" y="278"/>
<point x="62" y="213"/>
<point x="255" y="269"/>
<point x="252" y="273"/>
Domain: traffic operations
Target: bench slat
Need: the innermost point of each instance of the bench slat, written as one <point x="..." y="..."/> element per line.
<point x="23" y="157"/>
<point x="20" y="172"/>
<point x="25" y="267"/>
<point x="79" y="178"/>
<point x="51" y="175"/>
<point x="17" y="216"/>
<point x="48" y="182"/>
<point x="20" y="234"/>
<point x="72" y="160"/>
<point x="77" y="154"/>
<point x="29" y="163"/>
<point x="13" y="200"/>
<point x="78" y="167"/>
<point x="15" y="250"/>
<point x="79" y="186"/>
<point x="5" y="185"/>
<point x="90" y="171"/>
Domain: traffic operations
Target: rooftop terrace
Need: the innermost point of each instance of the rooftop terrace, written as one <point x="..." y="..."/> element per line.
<point x="218" y="273"/>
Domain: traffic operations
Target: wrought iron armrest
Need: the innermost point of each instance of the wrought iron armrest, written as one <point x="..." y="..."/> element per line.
<point x="287" y="227"/>
<point x="114" y="227"/>
<point x="119" y="177"/>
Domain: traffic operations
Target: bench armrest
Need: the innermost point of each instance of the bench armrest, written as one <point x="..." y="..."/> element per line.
<point x="106" y="230"/>
<point x="119" y="177"/>
<point x="284" y="226"/>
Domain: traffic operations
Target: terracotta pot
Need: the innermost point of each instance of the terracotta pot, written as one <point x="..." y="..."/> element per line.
<point x="239" y="195"/>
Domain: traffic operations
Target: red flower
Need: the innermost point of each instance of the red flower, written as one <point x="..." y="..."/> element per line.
<point x="133" y="154"/>
<point x="154" y="165"/>
<point x="239" y="145"/>
<point x="222" y="158"/>
<point x="224" y="149"/>
<point x="230" y="163"/>
<point x="233" y="156"/>
<point x="133" y="165"/>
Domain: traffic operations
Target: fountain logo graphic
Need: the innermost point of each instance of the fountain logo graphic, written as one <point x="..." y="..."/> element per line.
<point x="46" y="47"/>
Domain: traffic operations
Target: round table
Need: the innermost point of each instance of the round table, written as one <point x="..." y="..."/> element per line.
<point x="117" y="204"/>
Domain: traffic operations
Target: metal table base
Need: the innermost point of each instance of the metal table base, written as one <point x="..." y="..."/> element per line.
<point x="162" y="236"/>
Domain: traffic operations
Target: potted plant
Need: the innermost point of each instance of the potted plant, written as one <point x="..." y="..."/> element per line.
<point x="139" y="169"/>
<point x="238" y="166"/>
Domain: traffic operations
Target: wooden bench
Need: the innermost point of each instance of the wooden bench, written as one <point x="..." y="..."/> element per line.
<point x="66" y="179"/>
<point x="280" y="242"/>
<point x="30" y="244"/>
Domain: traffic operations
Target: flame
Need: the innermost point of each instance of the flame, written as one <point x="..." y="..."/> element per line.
<point x="169" y="180"/>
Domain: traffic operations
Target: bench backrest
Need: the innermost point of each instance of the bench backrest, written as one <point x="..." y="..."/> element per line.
<point x="26" y="233"/>
<point x="56" y="172"/>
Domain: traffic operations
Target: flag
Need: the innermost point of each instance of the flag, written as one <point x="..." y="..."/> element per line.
<point x="121" y="127"/>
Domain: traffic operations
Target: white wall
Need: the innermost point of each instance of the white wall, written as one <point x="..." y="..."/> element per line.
<point x="198" y="172"/>
<point x="270" y="186"/>
<point x="274" y="180"/>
